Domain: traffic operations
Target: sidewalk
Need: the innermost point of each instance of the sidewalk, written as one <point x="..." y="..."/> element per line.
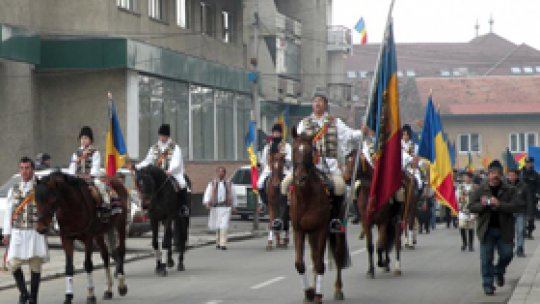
<point x="137" y="248"/>
<point x="527" y="290"/>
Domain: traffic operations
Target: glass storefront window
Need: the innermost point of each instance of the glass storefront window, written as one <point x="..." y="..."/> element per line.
<point x="243" y="110"/>
<point x="225" y="125"/>
<point x="176" y="113"/>
<point x="202" y="122"/>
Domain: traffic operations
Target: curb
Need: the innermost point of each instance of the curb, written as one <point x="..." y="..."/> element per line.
<point x="234" y="237"/>
<point x="526" y="284"/>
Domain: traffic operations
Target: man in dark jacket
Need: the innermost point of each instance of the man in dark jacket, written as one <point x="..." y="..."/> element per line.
<point x="524" y="201"/>
<point x="531" y="178"/>
<point x="494" y="203"/>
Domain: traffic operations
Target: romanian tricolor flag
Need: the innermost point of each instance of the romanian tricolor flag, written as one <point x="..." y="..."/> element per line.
<point x="115" y="148"/>
<point x="361" y="28"/>
<point x="283" y="120"/>
<point x="520" y="158"/>
<point x="433" y="148"/>
<point x="383" y="118"/>
<point x="250" y="142"/>
<point x="470" y="167"/>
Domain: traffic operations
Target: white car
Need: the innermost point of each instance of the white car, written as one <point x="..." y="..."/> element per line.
<point x="138" y="221"/>
<point x="245" y="198"/>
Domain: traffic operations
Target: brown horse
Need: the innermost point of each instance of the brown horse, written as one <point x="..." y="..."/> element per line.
<point x="276" y="162"/>
<point x="310" y="216"/>
<point x="74" y="203"/>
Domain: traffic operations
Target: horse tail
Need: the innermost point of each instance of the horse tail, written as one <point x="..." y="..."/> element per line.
<point x="339" y="250"/>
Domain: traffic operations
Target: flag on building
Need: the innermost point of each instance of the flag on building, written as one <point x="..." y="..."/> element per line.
<point x="511" y="163"/>
<point x="384" y="119"/>
<point x="250" y="142"/>
<point x="283" y="120"/>
<point x="470" y="166"/>
<point x="360" y="27"/>
<point x="520" y="158"/>
<point x="434" y="149"/>
<point x="115" y="147"/>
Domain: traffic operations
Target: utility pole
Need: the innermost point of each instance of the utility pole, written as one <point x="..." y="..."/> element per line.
<point x="255" y="96"/>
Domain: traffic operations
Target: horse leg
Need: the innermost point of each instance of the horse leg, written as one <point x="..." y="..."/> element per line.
<point x="269" y="243"/>
<point x="317" y="243"/>
<point x="67" y="243"/>
<point x="339" y="257"/>
<point x="167" y="242"/>
<point x="89" y="267"/>
<point x="370" y="247"/>
<point x="160" y="267"/>
<point x="120" y="254"/>
<point x="299" y="240"/>
<point x="397" y="245"/>
<point x="381" y="245"/>
<point x="107" y="295"/>
<point x="183" y="232"/>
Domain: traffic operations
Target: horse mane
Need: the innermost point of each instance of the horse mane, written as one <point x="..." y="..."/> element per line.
<point x="155" y="172"/>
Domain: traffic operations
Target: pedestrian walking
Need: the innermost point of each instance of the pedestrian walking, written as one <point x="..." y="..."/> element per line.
<point x="495" y="205"/>
<point x="467" y="220"/>
<point x="221" y="201"/>
<point x="532" y="179"/>
<point x="523" y="199"/>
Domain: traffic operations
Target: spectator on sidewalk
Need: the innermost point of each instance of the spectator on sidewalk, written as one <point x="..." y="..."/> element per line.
<point x="221" y="201"/>
<point x="495" y="205"/>
<point x="530" y="177"/>
<point x="467" y="220"/>
<point x="523" y="199"/>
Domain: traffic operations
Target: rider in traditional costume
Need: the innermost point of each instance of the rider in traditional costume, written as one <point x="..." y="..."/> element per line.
<point x="25" y="244"/>
<point x="466" y="218"/>
<point x="330" y="133"/>
<point x="410" y="161"/>
<point x="276" y="145"/>
<point x="86" y="164"/>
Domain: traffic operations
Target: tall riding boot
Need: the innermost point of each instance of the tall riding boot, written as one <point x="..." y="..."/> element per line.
<point x="463" y="239"/>
<point x="264" y="198"/>
<point x="278" y="223"/>
<point x="21" y="285"/>
<point x="336" y="215"/>
<point x="356" y="218"/>
<point x="34" y="287"/>
<point x="471" y="236"/>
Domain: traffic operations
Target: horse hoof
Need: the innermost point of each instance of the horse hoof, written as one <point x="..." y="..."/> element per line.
<point x="397" y="272"/>
<point x="161" y="270"/>
<point x="338" y="296"/>
<point x="387" y="269"/>
<point x="310" y="294"/>
<point x="107" y="295"/>
<point x="68" y="299"/>
<point x="180" y="267"/>
<point x="91" y="300"/>
<point x="170" y="263"/>
<point x="371" y="274"/>
<point x="122" y="290"/>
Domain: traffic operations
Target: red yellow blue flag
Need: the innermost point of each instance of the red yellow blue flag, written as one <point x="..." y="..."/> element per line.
<point x="115" y="147"/>
<point x="250" y="142"/>
<point x="360" y="27"/>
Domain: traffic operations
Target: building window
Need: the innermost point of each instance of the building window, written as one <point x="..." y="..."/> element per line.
<point x="207" y="19"/>
<point x="202" y="122"/>
<point x="520" y="142"/>
<point x="351" y="74"/>
<point x="226" y="24"/>
<point x="515" y="70"/>
<point x="363" y="74"/>
<point x="469" y="143"/>
<point x="528" y="70"/>
<point x="537" y="68"/>
<point x="410" y="73"/>
<point x="130" y="5"/>
<point x="156" y="9"/>
<point x="445" y="73"/>
<point x="182" y="13"/>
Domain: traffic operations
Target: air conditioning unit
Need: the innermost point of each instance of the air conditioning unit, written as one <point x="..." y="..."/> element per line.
<point x="297" y="29"/>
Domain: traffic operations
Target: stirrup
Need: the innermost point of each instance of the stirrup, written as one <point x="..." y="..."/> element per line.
<point x="336" y="226"/>
<point x="277" y="224"/>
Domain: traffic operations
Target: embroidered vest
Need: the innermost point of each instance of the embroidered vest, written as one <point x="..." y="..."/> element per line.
<point x="163" y="159"/>
<point x="84" y="166"/>
<point x="25" y="218"/>
<point x="228" y="198"/>
<point x="328" y="144"/>
<point x="464" y="196"/>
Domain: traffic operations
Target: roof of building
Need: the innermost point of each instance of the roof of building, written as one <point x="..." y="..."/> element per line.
<point x="482" y="95"/>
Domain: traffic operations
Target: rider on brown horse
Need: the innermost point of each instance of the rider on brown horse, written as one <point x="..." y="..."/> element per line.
<point x="329" y="135"/>
<point x="276" y="145"/>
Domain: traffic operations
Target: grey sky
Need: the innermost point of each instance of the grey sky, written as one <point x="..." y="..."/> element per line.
<point x="443" y="20"/>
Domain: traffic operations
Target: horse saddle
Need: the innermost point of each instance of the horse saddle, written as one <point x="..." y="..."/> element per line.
<point x="328" y="183"/>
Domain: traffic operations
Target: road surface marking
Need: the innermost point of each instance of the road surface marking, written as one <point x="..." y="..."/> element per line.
<point x="214" y="302"/>
<point x="358" y="251"/>
<point x="266" y="283"/>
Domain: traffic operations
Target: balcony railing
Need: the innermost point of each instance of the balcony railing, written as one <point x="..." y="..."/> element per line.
<point x="339" y="38"/>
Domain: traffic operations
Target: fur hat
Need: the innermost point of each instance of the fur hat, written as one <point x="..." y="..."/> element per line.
<point x="165" y="130"/>
<point x="278" y="128"/>
<point x="87" y="131"/>
<point x="495" y="165"/>
<point x="321" y="94"/>
<point x="406" y="128"/>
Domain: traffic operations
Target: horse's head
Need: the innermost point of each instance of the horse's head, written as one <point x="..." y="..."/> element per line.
<point x="276" y="163"/>
<point x="146" y="184"/>
<point x="303" y="154"/>
<point x="47" y="199"/>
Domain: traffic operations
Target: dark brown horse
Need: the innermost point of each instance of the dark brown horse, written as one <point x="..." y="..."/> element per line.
<point x="310" y="216"/>
<point x="389" y="220"/>
<point x="74" y="203"/>
<point x="276" y="161"/>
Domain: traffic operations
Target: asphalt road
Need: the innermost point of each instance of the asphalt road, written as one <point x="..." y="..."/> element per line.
<point x="435" y="272"/>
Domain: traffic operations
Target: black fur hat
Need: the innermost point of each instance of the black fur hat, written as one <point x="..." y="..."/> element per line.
<point x="277" y="127"/>
<point x="87" y="131"/>
<point x="321" y="94"/>
<point x="165" y="130"/>
<point x="406" y="129"/>
<point x="495" y="165"/>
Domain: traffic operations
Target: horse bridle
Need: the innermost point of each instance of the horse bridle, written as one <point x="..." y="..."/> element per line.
<point x="309" y="165"/>
<point x="155" y="193"/>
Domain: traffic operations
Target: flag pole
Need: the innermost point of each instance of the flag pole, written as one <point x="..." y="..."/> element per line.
<point x="370" y="101"/>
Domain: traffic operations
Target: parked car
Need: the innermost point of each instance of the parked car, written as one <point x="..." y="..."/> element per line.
<point x="138" y="221"/>
<point x="246" y="199"/>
